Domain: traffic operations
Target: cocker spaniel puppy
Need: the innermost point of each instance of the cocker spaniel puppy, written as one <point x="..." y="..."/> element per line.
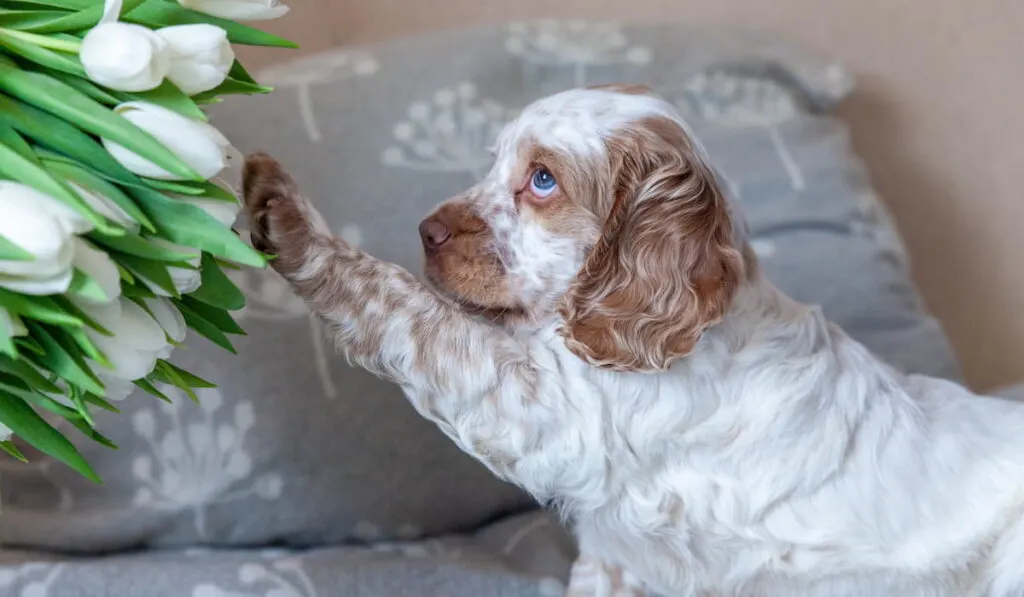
<point x="596" y="330"/>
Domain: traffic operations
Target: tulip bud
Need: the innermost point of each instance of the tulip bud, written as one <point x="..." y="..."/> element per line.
<point x="197" y="143"/>
<point x="238" y="10"/>
<point x="44" y="228"/>
<point x="138" y="339"/>
<point x="124" y="56"/>
<point x="200" y="56"/>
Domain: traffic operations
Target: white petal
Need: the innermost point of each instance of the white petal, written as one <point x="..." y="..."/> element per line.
<point x="169" y="318"/>
<point x="138" y="328"/>
<point x="200" y="56"/>
<point x="26" y="221"/>
<point x="15" y="194"/>
<point x="100" y="267"/>
<point x="130" y="324"/>
<point x="117" y="389"/>
<point x="196" y="78"/>
<point x="193" y="40"/>
<point x="185" y="280"/>
<point x="129" y="363"/>
<point x="124" y="56"/>
<point x="56" y="284"/>
<point x="108" y="315"/>
<point x="5" y="432"/>
<point x="111" y="11"/>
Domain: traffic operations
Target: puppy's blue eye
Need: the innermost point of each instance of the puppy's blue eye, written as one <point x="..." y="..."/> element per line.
<point x="542" y="183"/>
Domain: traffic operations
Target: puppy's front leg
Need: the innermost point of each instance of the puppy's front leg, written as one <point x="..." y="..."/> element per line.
<point x="456" y="371"/>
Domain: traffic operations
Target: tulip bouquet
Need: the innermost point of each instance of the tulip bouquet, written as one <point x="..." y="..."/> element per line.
<point x="115" y="232"/>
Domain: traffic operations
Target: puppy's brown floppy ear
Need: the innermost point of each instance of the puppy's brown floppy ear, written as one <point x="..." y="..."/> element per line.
<point x="665" y="267"/>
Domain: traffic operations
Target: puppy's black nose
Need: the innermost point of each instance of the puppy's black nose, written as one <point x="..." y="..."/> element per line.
<point x="434" y="233"/>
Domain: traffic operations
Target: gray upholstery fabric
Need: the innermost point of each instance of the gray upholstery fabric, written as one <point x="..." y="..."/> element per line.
<point x="297" y="449"/>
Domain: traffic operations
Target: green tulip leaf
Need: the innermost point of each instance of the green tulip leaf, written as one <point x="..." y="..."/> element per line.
<point x="83" y="286"/>
<point x="12" y="451"/>
<point x="99" y="402"/>
<point x="25" y="371"/>
<point x="139" y="246"/>
<point x="15" y="142"/>
<point x="39" y="308"/>
<point x="217" y="289"/>
<point x="189" y="225"/>
<point x="239" y="73"/>
<point x="103" y="95"/>
<point x="29" y="426"/>
<point x="218" y="317"/>
<point x="193" y="381"/>
<point x="205" y="328"/>
<point x="92" y="182"/>
<point x="171" y="376"/>
<point x="171" y="186"/>
<point x="70" y="143"/>
<point x="29" y="20"/>
<point x="172" y="98"/>
<point x="61" y="61"/>
<point x="64" y="358"/>
<point x="147" y="386"/>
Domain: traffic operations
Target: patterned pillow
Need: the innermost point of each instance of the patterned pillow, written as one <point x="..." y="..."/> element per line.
<point x="295" y="447"/>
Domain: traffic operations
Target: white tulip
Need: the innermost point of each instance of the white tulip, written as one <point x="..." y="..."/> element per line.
<point x="100" y="267"/>
<point x="106" y="207"/>
<point x="197" y="143"/>
<point x="5" y="432"/>
<point x="124" y="56"/>
<point x="137" y="343"/>
<point x="173" y="324"/>
<point x="200" y="56"/>
<point x="238" y="10"/>
<point x="43" y="227"/>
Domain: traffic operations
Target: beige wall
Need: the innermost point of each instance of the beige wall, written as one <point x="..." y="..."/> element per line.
<point x="938" y="117"/>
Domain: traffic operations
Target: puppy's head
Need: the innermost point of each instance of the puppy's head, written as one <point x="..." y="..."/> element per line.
<point x="601" y="208"/>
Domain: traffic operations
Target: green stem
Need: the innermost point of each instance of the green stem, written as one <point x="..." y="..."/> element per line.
<point x="44" y="41"/>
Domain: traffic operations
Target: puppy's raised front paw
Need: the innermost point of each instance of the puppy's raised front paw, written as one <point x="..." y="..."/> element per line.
<point x="276" y="209"/>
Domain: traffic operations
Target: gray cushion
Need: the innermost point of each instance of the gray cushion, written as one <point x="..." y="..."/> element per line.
<point x="297" y="448"/>
<point x="524" y="556"/>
